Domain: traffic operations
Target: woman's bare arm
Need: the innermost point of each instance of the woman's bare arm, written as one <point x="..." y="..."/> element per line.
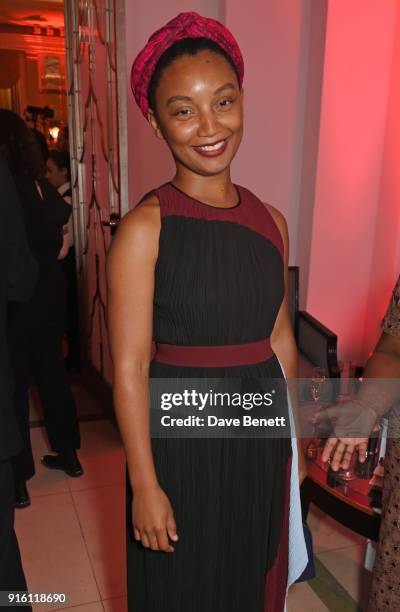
<point x="130" y="276"/>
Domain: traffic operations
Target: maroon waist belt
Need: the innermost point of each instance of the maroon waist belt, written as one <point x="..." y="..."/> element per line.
<point x="226" y="355"/>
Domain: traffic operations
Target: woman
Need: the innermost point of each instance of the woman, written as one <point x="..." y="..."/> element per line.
<point x="36" y="326"/>
<point x="199" y="267"/>
<point x="58" y="173"/>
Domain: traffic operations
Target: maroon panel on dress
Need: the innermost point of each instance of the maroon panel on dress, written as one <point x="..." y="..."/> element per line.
<point x="249" y="212"/>
<point x="277" y="577"/>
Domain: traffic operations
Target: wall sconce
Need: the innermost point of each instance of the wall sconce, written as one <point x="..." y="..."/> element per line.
<point x="54" y="131"/>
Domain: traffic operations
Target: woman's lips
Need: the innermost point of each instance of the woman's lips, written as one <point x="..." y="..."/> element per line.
<point x="212" y="150"/>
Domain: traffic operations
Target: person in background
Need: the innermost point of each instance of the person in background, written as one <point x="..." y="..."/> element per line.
<point x="18" y="274"/>
<point x="37" y="134"/>
<point x="36" y="327"/>
<point x="41" y="141"/>
<point x="58" y="173"/>
<point x="378" y="394"/>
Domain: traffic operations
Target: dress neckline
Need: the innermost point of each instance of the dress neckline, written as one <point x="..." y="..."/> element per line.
<point x="210" y="205"/>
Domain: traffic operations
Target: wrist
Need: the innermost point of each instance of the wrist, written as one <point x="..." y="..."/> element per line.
<point x="145" y="486"/>
<point x="366" y="405"/>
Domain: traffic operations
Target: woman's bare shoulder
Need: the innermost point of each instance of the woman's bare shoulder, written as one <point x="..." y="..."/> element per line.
<point x="139" y="230"/>
<point x="145" y="217"/>
<point x="278" y="217"/>
<point x="145" y="211"/>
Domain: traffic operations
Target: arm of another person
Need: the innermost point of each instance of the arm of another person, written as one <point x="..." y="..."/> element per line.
<point x="68" y="229"/>
<point x="282" y="339"/>
<point x="385" y="361"/>
<point x="66" y="243"/>
<point x="379" y="390"/>
<point x="130" y="276"/>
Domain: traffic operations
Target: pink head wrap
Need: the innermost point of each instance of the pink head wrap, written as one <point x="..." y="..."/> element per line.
<point x="184" y="25"/>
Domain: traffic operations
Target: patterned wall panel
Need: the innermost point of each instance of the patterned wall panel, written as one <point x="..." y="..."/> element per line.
<point x="93" y="113"/>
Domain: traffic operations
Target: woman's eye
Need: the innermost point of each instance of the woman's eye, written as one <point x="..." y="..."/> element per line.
<point x="226" y="102"/>
<point x="182" y="112"/>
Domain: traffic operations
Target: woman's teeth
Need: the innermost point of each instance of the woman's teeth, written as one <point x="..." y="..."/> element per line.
<point x="215" y="147"/>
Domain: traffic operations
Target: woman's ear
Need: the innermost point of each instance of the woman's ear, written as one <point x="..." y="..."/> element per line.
<point x="151" y="118"/>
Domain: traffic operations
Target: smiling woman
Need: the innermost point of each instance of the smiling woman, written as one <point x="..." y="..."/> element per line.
<point x="199" y="268"/>
<point x="202" y="118"/>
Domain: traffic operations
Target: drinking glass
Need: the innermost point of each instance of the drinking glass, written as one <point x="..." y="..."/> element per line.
<point x="317" y="383"/>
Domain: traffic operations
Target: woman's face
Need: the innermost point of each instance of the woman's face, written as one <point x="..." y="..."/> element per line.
<point x="54" y="175"/>
<point x="200" y="112"/>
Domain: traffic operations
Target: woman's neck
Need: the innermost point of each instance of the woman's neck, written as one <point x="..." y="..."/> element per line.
<point x="215" y="189"/>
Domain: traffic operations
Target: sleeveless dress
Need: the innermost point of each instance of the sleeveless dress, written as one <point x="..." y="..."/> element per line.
<point x="219" y="281"/>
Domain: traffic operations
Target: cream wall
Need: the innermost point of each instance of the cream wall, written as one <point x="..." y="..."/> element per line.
<point x="274" y="38"/>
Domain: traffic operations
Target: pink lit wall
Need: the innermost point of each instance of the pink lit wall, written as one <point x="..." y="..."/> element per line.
<point x="355" y="174"/>
<point x="385" y="265"/>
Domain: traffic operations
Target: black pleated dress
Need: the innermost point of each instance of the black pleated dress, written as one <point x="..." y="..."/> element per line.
<point x="219" y="281"/>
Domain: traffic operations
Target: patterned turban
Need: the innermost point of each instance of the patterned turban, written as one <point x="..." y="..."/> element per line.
<point x="184" y="25"/>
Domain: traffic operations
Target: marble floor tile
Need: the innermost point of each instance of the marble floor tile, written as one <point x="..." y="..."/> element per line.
<point x="328" y="534"/>
<point x="346" y="565"/>
<point x="101" y="455"/>
<point x="118" y="604"/>
<point x="53" y="551"/>
<point x="90" y="607"/>
<point x="302" y="597"/>
<point x="101" y="514"/>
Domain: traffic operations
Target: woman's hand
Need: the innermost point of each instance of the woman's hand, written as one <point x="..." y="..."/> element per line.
<point x="352" y="423"/>
<point x="153" y="519"/>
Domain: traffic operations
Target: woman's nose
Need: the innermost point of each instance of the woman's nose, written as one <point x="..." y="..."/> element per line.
<point x="208" y="125"/>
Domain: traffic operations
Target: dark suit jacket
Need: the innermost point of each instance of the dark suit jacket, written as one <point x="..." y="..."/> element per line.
<point x="44" y="220"/>
<point x="18" y="274"/>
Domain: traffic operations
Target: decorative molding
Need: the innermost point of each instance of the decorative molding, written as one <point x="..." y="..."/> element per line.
<point x="35" y="30"/>
<point x="92" y="101"/>
<point x="33" y="45"/>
